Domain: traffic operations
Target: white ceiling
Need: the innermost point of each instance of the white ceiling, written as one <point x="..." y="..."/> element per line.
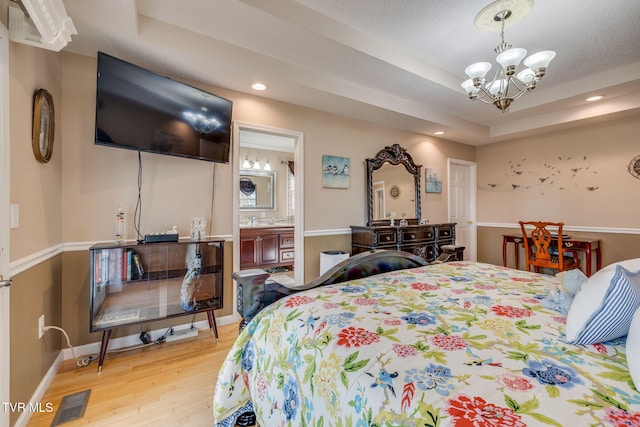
<point x="395" y="62"/>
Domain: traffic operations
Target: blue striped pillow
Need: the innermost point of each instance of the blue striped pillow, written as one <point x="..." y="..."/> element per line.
<point x="613" y="316"/>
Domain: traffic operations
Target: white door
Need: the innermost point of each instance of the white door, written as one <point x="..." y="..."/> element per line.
<point x="463" y="206"/>
<point x="4" y="223"/>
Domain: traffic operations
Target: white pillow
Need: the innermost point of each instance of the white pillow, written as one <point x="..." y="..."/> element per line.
<point x="603" y="308"/>
<point x="633" y="349"/>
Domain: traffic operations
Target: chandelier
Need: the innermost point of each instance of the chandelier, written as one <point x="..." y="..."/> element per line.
<point x="508" y="84"/>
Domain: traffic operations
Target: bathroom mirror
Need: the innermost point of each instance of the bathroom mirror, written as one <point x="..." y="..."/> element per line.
<point x="393" y="186"/>
<point x="257" y="190"/>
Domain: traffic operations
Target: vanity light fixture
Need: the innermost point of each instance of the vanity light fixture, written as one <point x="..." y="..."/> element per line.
<point x="258" y="86"/>
<point x="246" y="163"/>
<point x="255" y="164"/>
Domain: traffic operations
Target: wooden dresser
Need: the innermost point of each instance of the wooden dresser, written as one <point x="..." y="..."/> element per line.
<point x="425" y="240"/>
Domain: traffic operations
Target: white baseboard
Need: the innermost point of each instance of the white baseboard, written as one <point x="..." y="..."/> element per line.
<point x="94" y="348"/>
<point x="25" y="416"/>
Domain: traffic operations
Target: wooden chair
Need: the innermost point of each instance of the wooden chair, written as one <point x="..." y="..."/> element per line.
<point x="543" y="247"/>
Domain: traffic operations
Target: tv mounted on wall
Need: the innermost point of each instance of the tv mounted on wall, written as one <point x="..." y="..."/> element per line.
<point x="140" y="110"/>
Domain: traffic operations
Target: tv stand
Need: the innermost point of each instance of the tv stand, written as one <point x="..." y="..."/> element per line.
<point x="141" y="283"/>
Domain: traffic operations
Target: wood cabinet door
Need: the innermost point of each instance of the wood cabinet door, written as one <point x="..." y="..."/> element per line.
<point x="269" y="249"/>
<point x="249" y="252"/>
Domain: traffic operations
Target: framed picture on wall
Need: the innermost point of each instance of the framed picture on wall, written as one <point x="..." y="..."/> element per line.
<point x="335" y="171"/>
<point x="432" y="181"/>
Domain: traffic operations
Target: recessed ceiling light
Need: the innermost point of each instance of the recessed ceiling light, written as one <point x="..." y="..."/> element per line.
<point x="595" y="98"/>
<point x="258" y="86"/>
<point x="439" y="132"/>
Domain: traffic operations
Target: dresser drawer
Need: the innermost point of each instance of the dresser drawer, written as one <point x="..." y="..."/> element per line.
<point x="445" y="231"/>
<point x="286" y="240"/>
<point x="386" y="237"/>
<point x="418" y="234"/>
<point x="287" y="256"/>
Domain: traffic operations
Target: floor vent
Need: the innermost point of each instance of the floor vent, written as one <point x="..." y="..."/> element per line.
<point x="71" y="407"/>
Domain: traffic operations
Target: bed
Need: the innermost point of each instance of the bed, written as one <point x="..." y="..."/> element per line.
<point x="450" y="344"/>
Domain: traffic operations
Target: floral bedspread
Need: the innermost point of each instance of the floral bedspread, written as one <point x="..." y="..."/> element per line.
<point x="455" y="344"/>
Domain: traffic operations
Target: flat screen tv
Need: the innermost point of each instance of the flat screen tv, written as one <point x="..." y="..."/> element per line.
<point x="140" y="110"/>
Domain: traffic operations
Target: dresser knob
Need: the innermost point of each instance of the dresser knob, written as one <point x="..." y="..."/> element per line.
<point x="413" y="236"/>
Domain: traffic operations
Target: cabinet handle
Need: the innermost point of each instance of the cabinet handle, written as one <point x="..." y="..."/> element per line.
<point x="388" y="237"/>
<point x="413" y="236"/>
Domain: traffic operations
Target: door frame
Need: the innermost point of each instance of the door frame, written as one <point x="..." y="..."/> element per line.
<point x="5" y="188"/>
<point x="471" y="251"/>
<point x="298" y="157"/>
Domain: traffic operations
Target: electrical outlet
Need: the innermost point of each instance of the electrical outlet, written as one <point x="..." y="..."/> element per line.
<point x="41" y="326"/>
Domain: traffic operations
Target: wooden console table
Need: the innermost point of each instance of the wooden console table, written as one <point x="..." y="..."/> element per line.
<point x="586" y="245"/>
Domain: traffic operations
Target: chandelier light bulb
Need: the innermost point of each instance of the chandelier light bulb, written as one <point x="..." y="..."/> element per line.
<point x="539" y="60"/>
<point x="497" y="86"/>
<point x="469" y="87"/>
<point x="511" y="58"/>
<point x="526" y="76"/>
<point x="478" y="70"/>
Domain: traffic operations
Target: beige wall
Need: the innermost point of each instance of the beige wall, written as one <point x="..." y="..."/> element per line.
<point x="33" y="292"/>
<point x="36" y="188"/>
<point x="586" y="182"/>
<point x="576" y="176"/>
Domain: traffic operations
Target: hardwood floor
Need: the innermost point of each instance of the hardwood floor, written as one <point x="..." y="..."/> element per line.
<point x="166" y="385"/>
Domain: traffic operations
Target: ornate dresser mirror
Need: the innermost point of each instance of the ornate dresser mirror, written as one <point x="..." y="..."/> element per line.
<point x="393" y="193"/>
<point x="393" y="187"/>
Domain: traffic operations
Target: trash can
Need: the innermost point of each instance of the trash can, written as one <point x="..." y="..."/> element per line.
<point x="330" y="258"/>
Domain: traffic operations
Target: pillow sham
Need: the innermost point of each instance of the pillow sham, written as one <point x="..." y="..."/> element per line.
<point x="571" y="281"/>
<point x="604" y="307"/>
<point x="633" y="349"/>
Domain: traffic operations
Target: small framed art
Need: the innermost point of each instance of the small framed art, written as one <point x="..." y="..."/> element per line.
<point x="335" y="171"/>
<point x="432" y="181"/>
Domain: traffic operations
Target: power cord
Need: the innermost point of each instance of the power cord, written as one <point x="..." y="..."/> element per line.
<point x="138" y="212"/>
<point x="80" y="361"/>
